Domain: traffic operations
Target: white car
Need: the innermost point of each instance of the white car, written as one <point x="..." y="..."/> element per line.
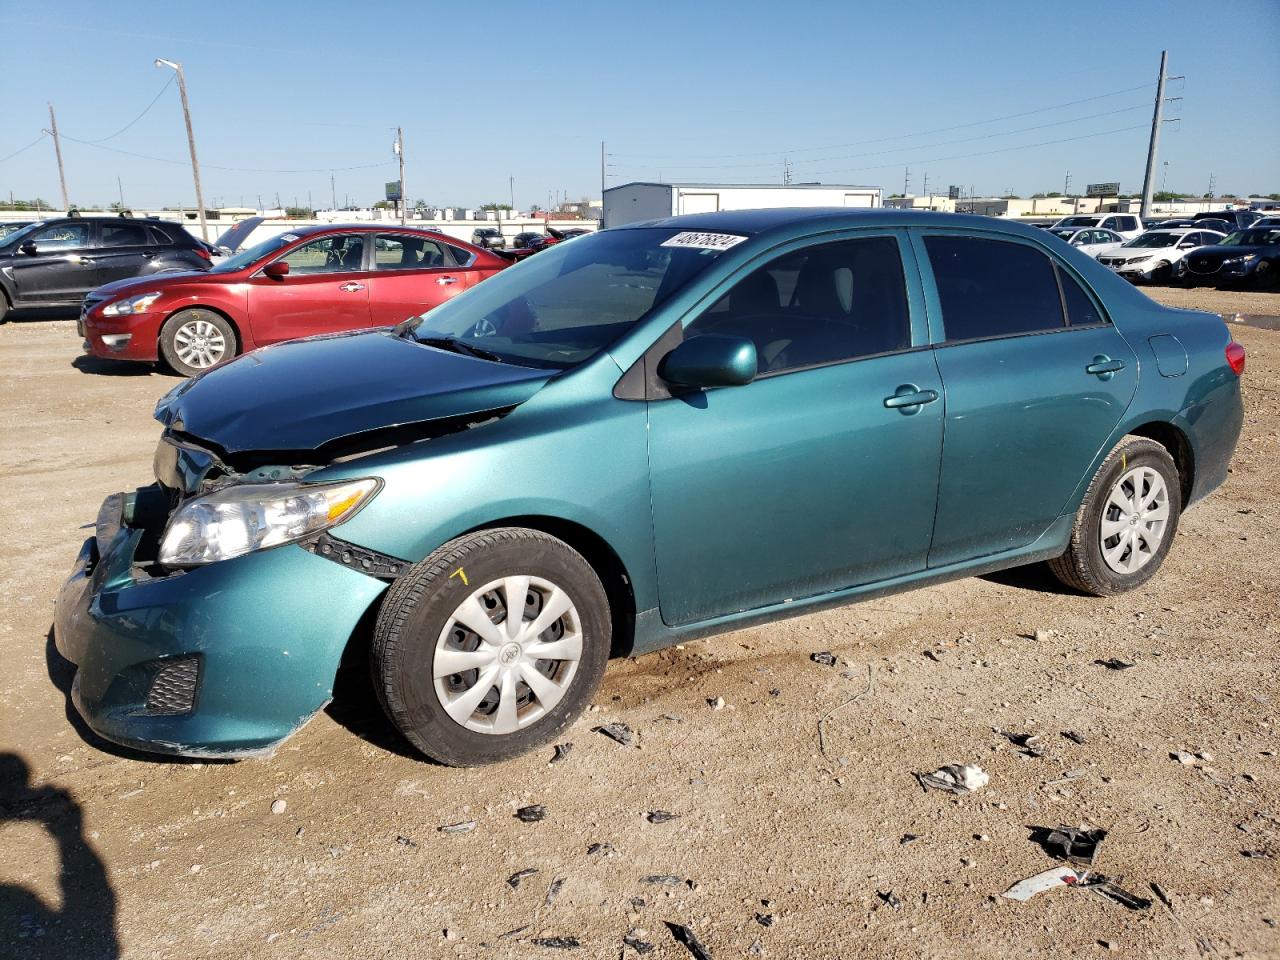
<point x="1092" y="241"/>
<point x="1125" y="224"/>
<point x="1153" y="255"/>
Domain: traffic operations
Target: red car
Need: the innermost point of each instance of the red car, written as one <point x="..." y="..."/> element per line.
<point x="310" y="281"/>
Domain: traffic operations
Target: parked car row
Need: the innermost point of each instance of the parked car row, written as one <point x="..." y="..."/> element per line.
<point x="523" y="244"/>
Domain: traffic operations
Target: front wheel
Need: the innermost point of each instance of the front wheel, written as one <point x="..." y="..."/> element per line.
<point x="1126" y="523"/>
<point x="192" y="341"/>
<point x="491" y="646"/>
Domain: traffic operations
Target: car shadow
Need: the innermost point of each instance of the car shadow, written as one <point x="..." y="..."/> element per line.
<point x="1035" y="576"/>
<point x="62" y="673"/>
<point x="85" y="924"/>
<point x="115" y="368"/>
<point x="36" y="314"/>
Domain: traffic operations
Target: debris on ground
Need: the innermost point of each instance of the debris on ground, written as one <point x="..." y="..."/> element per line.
<point x="553" y="891"/>
<point x="634" y="938"/>
<point x="909" y="838"/>
<point x="1253" y="854"/>
<point x="1110" y="891"/>
<point x="690" y="940"/>
<point x="764" y="919"/>
<point x="661" y="816"/>
<point x="715" y="703"/>
<point x="1184" y="758"/>
<point x="561" y="752"/>
<point x="532" y="813"/>
<point x="1041" y="636"/>
<point x="557" y="943"/>
<point x="1025" y="889"/>
<point x="405" y="842"/>
<point x="1067" y="777"/>
<point x="1114" y="664"/>
<point x="955" y="778"/>
<point x="466" y="826"/>
<point x="510" y="934"/>
<point x="277" y="806"/>
<point x="1028" y="743"/>
<point x="1075" y="737"/>
<point x="1075" y="845"/>
<point x="664" y="879"/>
<point x="822" y="724"/>
<point x="1164" y="897"/>
<point x="618" y="732"/>
<point x="600" y="850"/>
<point x="513" y="881"/>
<point x="890" y="899"/>
<point x="825" y="657"/>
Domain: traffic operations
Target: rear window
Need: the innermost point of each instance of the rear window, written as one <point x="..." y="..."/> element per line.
<point x="993" y="288"/>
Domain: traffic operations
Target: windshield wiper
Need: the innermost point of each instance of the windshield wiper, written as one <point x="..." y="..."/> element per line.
<point x="460" y="346"/>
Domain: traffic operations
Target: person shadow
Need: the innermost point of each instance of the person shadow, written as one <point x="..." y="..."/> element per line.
<point x="85" y="925"/>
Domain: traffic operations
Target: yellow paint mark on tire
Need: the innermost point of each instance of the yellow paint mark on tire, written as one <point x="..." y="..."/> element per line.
<point x="461" y="574"/>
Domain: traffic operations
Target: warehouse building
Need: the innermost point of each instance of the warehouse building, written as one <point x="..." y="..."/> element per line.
<point x="631" y="202"/>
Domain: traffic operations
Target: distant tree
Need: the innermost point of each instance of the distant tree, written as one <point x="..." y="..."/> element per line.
<point x="299" y="213"/>
<point x="1010" y="196"/>
<point x="896" y="196"/>
<point x="38" y="203"/>
<point x="420" y="206"/>
<point x="384" y="205"/>
<point x="535" y="208"/>
<point x="496" y="206"/>
<point x="1164" y="196"/>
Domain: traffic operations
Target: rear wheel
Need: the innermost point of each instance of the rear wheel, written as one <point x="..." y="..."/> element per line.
<point x="491" y="646"/>
<point x="192" y="341"/>
<point x="1126" y="523"/>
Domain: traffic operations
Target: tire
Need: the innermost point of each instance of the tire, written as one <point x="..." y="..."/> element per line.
<point x="1161" y="273"/>
<point x="1096" y="564"/>
<point x="182" y="337"/>
<point x="419" y="623"/>
<point x="4" y="306"/>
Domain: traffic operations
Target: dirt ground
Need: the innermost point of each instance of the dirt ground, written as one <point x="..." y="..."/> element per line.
<point x="779" y="851"/>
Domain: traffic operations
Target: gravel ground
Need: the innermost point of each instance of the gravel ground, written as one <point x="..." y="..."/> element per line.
<point x="778" y="850"/>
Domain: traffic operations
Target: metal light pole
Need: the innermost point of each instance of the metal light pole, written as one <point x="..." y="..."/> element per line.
<point x="57" y="148"/>
<point x="191" y="139"/>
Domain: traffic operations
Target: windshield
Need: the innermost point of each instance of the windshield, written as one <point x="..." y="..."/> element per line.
<point x="253" y="254"/>
<point x="1155" y="240"/>
<point x="1076" y="221"/>
<point x="10" y="237"/>
<point x="1066" y="234"/>
<point x="571" y="301"/>
<point x="1253" y="238"/>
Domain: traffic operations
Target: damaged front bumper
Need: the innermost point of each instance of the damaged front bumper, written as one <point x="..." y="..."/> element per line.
<point x="223" y="660"/>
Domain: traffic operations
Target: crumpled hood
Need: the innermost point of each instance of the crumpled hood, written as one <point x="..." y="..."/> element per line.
<point x="302" y="394"/>
<point x="135" y="285"/>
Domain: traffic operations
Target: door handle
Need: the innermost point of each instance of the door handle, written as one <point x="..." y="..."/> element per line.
<point x="351" y="287"/>
<point x="1103" y="367"/>
<point x="446" y="281"/>
<point x="909" y="398"/>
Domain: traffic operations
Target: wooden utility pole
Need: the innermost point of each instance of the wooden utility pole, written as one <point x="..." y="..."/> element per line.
<point x="404" y="197"/>
<point x="57" y="149"/>
<point x="191" y="139"/>
<point x="1148" y="182"/>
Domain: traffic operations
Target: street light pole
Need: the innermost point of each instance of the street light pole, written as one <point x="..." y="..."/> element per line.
<point x="191" y="139"/>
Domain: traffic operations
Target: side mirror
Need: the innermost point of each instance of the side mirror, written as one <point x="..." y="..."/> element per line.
<point x="711" y="360"/>
<point x="277" y="270"/>
<point x="29" y="248"/>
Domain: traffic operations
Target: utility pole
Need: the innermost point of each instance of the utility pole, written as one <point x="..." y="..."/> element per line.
<point x="602" y="167"/>
<point x="191" y="138"/>
<point x="1148" y="181"/>
<point x="1213" y="180"/>
<point x="925" y="188"/>
<point x="511" y="185"/>
<point x="57" y="149"/>
<point x="404" y="198"/>
<point x="906" y="182"/>
<point x="120" y="187"/>
<point x="786" y="172"/>
<point x="333" y="191"/>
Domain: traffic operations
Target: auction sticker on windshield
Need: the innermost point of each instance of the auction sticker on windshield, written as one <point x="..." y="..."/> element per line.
<point x="704" y="241"/>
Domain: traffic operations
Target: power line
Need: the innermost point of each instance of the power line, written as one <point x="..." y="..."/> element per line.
<point x="145" y="111"/>
<point x="24" y="149"/>
<point x="902" y="136"/>
<point x="214" y="166"/>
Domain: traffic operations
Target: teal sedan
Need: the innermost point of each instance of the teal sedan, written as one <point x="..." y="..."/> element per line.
<point x="654" y="433"/>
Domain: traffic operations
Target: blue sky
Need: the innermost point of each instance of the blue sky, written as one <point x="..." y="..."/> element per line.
<point x="720" y="91"/>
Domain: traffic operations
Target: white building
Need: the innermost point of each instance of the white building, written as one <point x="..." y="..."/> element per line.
<point x="631" y="202"/>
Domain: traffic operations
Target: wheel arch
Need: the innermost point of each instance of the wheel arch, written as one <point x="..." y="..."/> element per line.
<point x="1171" y="437"/>
<point x="202" y="306"/>
<point x="603" y="559"/>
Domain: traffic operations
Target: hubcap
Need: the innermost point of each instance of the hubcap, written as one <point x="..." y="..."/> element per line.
<point x="507" y="654"/>
<point x="199" y="343"/>
<point x="1135" y="520"/>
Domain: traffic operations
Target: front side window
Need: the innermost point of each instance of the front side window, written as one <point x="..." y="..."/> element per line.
<point x="823" y="304"/>
<point x="414" y="253"/>
<point x="340" y="254"/>
<point x="124" y="235"/>
<point x="993" y="288"/>
<point x="62" y="236"/>
<point x="562" y="307"/>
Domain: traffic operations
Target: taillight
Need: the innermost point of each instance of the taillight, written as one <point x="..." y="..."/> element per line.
<point x="1235" y="357"/>
<point x="202" y="252"/>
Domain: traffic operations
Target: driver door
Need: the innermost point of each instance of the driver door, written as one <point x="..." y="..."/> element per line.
<point x="63" y="266"/>
<point x="325" y="291"/>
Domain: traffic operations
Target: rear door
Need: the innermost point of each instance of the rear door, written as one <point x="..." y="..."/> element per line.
<point x="412" y="273"/>
<point x="62" y="268"/>
<point x="124" y="248"/>
<point x="325" y="291"/>
<point x="1036" y="380"/>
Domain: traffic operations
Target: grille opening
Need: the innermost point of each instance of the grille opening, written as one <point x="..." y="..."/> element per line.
<point x="173" y="688"/>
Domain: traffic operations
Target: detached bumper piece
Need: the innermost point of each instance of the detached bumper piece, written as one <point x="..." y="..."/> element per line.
<point x="173" y="688"/>
<point x="368" y="562"/>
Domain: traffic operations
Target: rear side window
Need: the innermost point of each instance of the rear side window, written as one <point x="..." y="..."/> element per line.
<point x="124" y="235"/>
<point x="991" y="288"/>
<point x="1080" y="309"/>
<point x="160" y="236"/>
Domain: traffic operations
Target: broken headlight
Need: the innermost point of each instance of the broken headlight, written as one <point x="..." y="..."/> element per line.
<point x="240" y="519"/>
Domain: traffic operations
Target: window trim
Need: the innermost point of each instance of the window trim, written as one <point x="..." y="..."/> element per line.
<point x="929" y="284"/>
<point x="456" y="252"/>
<point x="288" y="251"/>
